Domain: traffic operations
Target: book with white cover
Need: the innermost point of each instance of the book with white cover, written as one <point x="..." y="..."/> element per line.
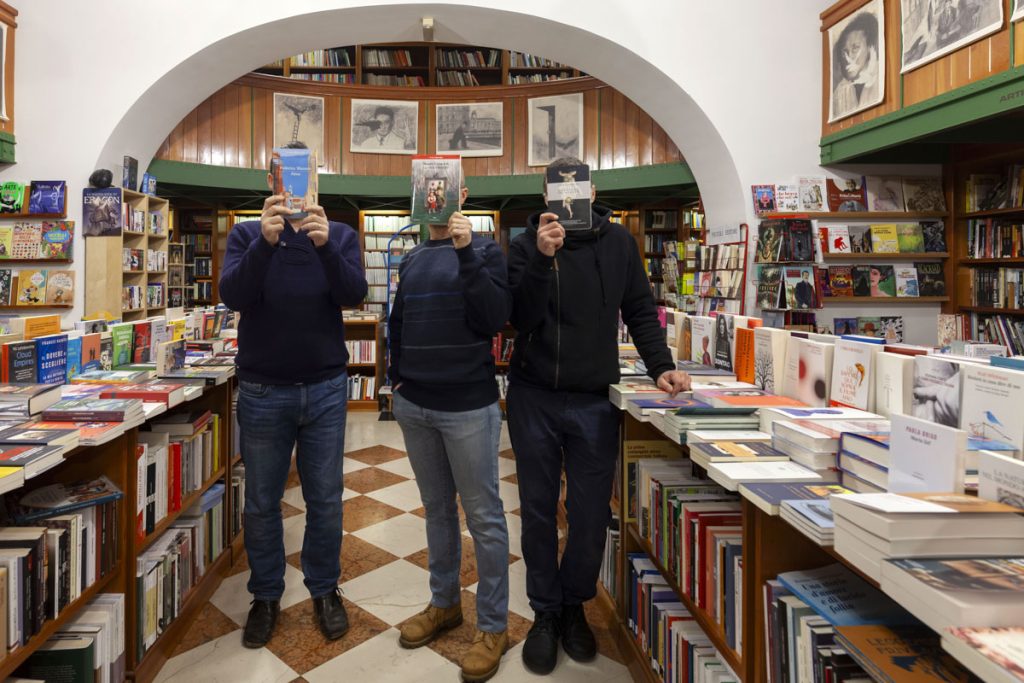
<point x="738" y="435"/>
<point x="925" y="456"/>
<point x="808" y="371"/>
<point x="993" y="400"/>
<point x="1000" y="478"/>
<point x="838" y="238"/>
<point x="894" y="383"/>
<point x="936" y="390"/>
<point x="853" y="374"/>
<point x="995" y="655"/>
<point x="730" y="475"/>
<point x="769" y="416"/>
<point x="769" y="357"/>
<point x="702" y="339"/>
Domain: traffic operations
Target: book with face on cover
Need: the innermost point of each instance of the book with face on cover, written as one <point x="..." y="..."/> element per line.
<point x="436" y="181"/>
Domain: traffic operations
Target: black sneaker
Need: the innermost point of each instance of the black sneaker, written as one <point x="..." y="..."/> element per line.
<point x="259" y="625"/>
<point x="331" y="616"/>
<point x="577" y="638"/>
<point x="540" y="652"/>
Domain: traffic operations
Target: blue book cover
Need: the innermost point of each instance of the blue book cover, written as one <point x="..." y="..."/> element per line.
<point x="732" y="551"/>
<point x="52" y="359"/>
<point x="864" y="338"/>
<point x="211" y="497"/>
<point x="47" y="196"/>
<point x="74" y="357"/>
<point x="773" y="493"/>
<point x="818" y="512"/>
<point x="843" y="598"/>
<point x="1011" y="362"/>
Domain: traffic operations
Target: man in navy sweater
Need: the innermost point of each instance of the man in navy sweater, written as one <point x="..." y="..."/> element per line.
<point x="452" y="298"/>
<point x="569" y="289"/>
<point x="289" y="279"/>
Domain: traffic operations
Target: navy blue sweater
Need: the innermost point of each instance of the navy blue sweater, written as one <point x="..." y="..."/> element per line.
<point x="290" y="297"/>
<point x="450" y="303"/>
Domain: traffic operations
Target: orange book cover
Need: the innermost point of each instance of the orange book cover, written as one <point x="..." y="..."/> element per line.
<point x="41" y="325"/>
<point x="909" y="654"/>
<point x="744" y="364"/>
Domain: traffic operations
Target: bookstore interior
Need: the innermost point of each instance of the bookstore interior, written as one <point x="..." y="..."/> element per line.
<point x="832" y="232"/>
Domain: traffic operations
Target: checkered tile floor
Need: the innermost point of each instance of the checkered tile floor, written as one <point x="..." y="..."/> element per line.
<point x="384" y="582"/>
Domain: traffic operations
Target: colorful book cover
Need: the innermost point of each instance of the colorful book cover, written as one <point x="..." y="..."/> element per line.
<point x="884" y="238"/>
<point x="768" y="283"/>
<point x="907" y="654"/>
<point x="845" y="326"/>
<point x="567" y="189"/>
<point x="812" y="193"/>
<point x="869" y="326"/>
<point x="764" y="198"/>
<point x="20" y="362"/>
<point x="294" y="174"/>
<point x="436" y="181"/>
<point x="933" y="236"/>
<point x="121" y="336"/>
<point x="860" y="238"/>
<point x="840" y="280"/>
<point x="885" y="193"/>
<point x="141" y="342"/>
<point x="74" y="360"/>
<point x="6" y="241"/>
<point x="991" y="402"/>
<point x="12" y="197"/>
<point x="801" y="241"/>
<point x="744" y="364"/>
<point x="31" y="288"/>
<point x="60" y="287"/>
<point x="838" y="239"/>
<point x="799" y="288"/>
<point x="1003" y="646"/>
<point x="853" y="379"/>
<point x="910" y="238"/>
<point x="107" y="352"/>
<point x="843" y="598"/>
<point x="91" y="352"/>
<point x="848" y="194"/>
<point x="891" y="328"/>
<point x="724" y="335"/>
<point x="931" y="281"/>
<point x="787" y="198"/>
<point x="881" y="281"/>
<point x="57" y="240"/>
<point x="25" y="243"/>
<point x="769" y="240"/>
<point x="906" y="281"/>
<point x="47" y="196"/>
<point x="702" y="339"/>
<point x="808" y="371"/>
<point x="101" y="212"/>
<point x="923" y="194"/>
<point x="5" y="287"/>
<point x="39" y="325"/>
<point x="52" y="359"/>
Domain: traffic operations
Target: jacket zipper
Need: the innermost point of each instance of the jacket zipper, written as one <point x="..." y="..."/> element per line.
<point x="558" y="321"/>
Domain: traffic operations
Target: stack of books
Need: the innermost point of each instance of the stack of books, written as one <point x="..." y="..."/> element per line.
<point x="813" y="518"/>
<point x="814" y="443"/>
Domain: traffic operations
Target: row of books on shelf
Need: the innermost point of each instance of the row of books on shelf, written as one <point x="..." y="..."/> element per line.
<point x="870" y="193"/>
<point x="808" y="286"/>
<point x="198" y="242"/>
<point x="924" y="237"/>
<point x="46" y="197"/>
<point x="361" y="350"/>
<point x="456" y="78"/>
<point x="997" y="287"/>
<point x="721" y="257"/>
<point x="385" y="223"/>
<point x="987" y="191"/>
<point x="135" y="297"/>
<point x="998" y="329"/>
<point x="994" y="239"/>
<point x="362" y="387"/>
<point x="460" y="58"/>
<point x="524" y="60"/>
<point x="723" y="284"/>
<point x="661" y="220"/>
<point x="37" y="287"/>
<point x="380" y="242"/>
<point x="140" y="222"/>
<point x="376" y="293"/>
<point x="501" y="348"/>
<point x="132" y="259"/>
<point x="335" y="56"/>
<point x="394" y="80"/>
<point x="203" y="291"/>
<point x="33" y="242"/>
<point x="387" y="58"/>
<point x="203" y="266"/>
<point x="344" y="78"/>
<point x="523" y="79"/>
<point x="654" y="242"/>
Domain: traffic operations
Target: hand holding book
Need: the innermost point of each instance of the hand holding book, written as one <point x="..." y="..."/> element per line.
<point x="316" y="226"/>
<point x="550" y="234"/>
<point x="460" y="229"/>
<point x="272" y="220"/>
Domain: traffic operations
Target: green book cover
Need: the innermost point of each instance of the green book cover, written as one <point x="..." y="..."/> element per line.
<point x="910" y="238"/>
<point x="122" y="337"/>
<point x="69" y="660"/>
<point x="436" y="181"/>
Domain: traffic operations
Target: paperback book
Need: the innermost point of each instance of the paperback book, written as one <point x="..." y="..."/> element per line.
<point x="568" y="192"/>
<point x="294" y="173"/>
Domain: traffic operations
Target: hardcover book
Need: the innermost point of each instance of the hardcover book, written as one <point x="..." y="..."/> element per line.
<point x="47" y="196"/>
<point x="906" y="281"/>
<point x="31" y="288"/>
<point x="57" y="240"/>
<point x="800" y="288"/>
<point x="885" y="193"/>
<point x="12" y="197"/>
<point x="882" y="280"/>
<point x="910" y="238"/>
<point x="801" y="240"/>
<point x="860" y="238"/>
<point x="769" y="282"/>
<point x="60" y="287"/>
<point x="130" y="173"/>
<point x="861" y="280"/>
<point x="770" y="234"/>
<point x="436" y="180"/>
<point x="884" y="238"/>
<point x="934" y="236"/>
<point x="924" y="194"/>
<point x="931" y="281"/>
<point x="25" y="242"/>
<point x="838" y="239"/>
<point x="840" y="280"/>
<point x="812" y="193"/>
<point x="764" y="198"/>
<point x="847" y="194"/>
<point x="568" y="196"/>
<point x="101" y="212"/>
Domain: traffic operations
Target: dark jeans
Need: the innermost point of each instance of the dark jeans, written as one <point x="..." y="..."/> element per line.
<point x="550" y="429"/>
<point x="273" y="419"/>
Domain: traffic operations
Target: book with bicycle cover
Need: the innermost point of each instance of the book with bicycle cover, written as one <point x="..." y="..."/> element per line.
<point x="436" y="181"/>
<point x="568" y="196"/>
<point x="295" y="176"/>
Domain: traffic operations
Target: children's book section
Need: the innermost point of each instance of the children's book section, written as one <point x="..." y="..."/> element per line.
<point x="819" y="508"/>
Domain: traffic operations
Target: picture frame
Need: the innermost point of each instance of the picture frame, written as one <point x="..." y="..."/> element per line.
<point x="384" y="126"/>
<point x="928" y="32"/>
<point x="299" y="118"/>
<point x="471" y="129"/>
<point x="1018" y="10"/>
<point x="857" y="61"/>
<point x="555" y="128"/>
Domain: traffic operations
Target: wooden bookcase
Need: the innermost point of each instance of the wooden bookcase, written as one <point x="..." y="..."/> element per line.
<point x="104" y="271"/>
<point x="367" y="330"/>
<point x="197" y="231"/>
<point x="420" y="64"/>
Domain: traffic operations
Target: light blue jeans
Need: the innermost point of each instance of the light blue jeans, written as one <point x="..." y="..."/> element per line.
<point x="457" y="453"/>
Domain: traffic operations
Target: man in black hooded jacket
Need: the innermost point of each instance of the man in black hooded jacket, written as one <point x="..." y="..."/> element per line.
<point x="568" y="291"/>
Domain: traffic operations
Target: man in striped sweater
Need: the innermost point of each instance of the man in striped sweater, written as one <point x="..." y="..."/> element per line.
<point x="452" y="298"/>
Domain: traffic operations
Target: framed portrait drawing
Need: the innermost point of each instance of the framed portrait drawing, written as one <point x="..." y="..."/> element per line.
<point x="933" y="28"/>
<point x="857" y="61"/>
<point x="384" y="126"/>
<point x="555" y="128"/>
<point x="299" y="118"/>
<point x="474" y="129"/>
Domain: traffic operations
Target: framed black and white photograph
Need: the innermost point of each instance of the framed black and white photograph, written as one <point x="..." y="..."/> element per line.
<point x="933" y="28"/>
<point x="3" y="70"/>
<point x="299" y="118"/>
<point x="384" y="126"/>
<point x="857" y="61"/>
<point x="473" y="129"/>
<point x="555" y="128"/>
<point x="1018" y="10"/>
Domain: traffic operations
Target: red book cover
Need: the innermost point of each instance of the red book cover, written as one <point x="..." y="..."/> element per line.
<point x="706" y="599"/>
<point x="689" y="540"/>
<point x="174" y="476"/>
<point x="140" y="493"/>
<point x="150" y="392"/>
<point x="141" y="342"/>
<point x="701" y="523"/>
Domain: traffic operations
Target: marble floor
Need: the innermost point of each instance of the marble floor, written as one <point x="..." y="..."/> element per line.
<point x="383" y="583"/>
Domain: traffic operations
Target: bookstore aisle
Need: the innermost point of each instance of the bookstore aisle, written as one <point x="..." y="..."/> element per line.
<point x="384" y="582"/>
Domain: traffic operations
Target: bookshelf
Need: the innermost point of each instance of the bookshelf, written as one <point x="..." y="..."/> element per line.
<point x="416" y="64"/>
<point x="197" y="232"/>
<point x="140" y="290"/>
<point x="365" y="362"/>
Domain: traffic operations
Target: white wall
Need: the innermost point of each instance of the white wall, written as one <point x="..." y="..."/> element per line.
<point x="735" y="84"/>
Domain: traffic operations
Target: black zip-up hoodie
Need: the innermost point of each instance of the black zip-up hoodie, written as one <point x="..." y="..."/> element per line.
<point x="565" y="308"/>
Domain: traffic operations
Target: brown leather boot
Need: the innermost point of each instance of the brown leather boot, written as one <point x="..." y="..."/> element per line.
<point x="483" y="658"/>
<point x="426" y="625"/>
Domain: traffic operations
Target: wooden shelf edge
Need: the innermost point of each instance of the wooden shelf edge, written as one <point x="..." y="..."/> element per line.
<point x="166" y="523"/>
<point x="884" y="299"/>
<point x="994" y="311"/>
<point x="909" y="256"/>
<point x="990" y="213"/>
<point x="14" y="659"/>
<point x="711" y="628"/>
<point x="859" y="215"/>
<point x="995" y="261"/>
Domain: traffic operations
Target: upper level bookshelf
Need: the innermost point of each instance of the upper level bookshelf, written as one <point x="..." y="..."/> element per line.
<point x="420" y="64"/>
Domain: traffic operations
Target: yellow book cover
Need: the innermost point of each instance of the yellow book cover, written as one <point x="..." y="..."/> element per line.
<point x="6" y="235"/>
<point x="60" y="287"/>
<point x="177" y="329"/>
<point x="31" y="288"/>
<point x="884" y="238"/>
<point x="41" y="325"/>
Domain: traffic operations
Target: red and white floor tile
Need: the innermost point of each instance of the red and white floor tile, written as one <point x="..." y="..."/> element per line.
<point x="384" y="582"/>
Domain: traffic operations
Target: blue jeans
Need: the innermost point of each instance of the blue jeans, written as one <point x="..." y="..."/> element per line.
<point x="580" y="432"/>
<point x="273" y="419"/>
<point x="457" y="452"/>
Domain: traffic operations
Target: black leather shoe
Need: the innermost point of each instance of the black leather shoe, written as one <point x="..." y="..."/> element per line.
<point x="259" y="626"/>
<point x="540" y="652"/>
<point x="330" y="615"/>
<point x="577" y="638"/>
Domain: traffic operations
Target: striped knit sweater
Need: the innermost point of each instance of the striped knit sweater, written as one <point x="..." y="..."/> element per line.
<point x="450" y="303"/>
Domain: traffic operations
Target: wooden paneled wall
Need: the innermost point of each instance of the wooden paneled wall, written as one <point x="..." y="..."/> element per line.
<point x="969" y="64"/>
<point x="234" y="126"/>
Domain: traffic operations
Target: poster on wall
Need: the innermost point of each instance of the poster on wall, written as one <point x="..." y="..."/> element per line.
<point x="3" y="72"/>
<point x="555" y="128"/>
<point x="1018" y="10"/>
<point x="933" y="28"/>
<point x="299" y="118"/>
<point x="857" y="62"/>
<point x="472" y="130"/>
<point x="384" y="126"/>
